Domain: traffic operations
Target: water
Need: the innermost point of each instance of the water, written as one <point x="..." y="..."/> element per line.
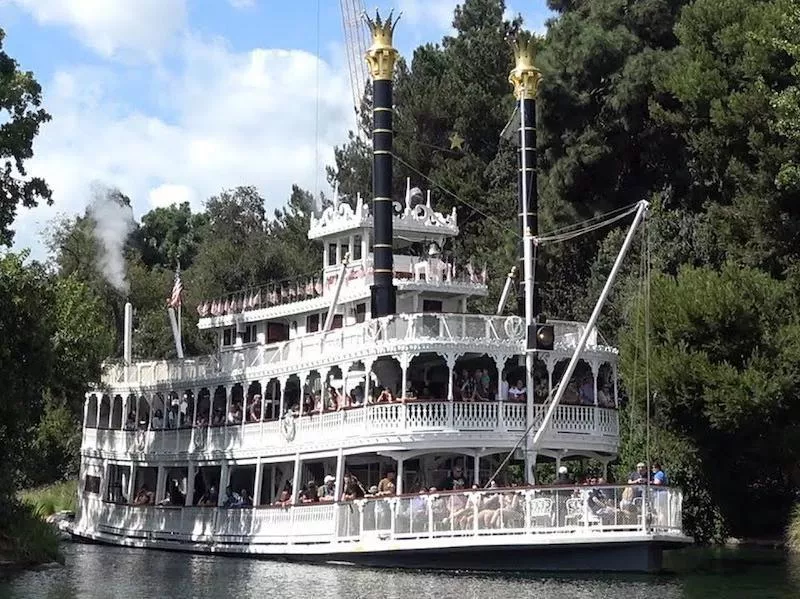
<point x="110" y="572"/>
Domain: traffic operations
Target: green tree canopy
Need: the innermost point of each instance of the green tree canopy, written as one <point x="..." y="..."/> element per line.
<point x="21" y="115"/>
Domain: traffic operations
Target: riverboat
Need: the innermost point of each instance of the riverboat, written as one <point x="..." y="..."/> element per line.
<point x="364" y="416"/>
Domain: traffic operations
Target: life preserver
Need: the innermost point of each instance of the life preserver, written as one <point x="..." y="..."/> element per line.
<point x="140" y="440"/>
<point x="200" y="435"/>
<point x="515" y="328"/>
<point x="288" y="426"/>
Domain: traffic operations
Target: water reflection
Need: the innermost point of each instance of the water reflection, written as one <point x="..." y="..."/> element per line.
<point x="102" y="572"/>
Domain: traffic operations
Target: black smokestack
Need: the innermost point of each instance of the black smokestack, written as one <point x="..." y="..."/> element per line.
<point x="381" y="57"/>
<point x="526" y="78"/>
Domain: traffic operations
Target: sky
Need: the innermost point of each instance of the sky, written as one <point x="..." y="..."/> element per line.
<point x="176" y="100"/>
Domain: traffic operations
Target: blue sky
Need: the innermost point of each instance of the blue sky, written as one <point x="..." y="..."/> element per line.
<point x="174" y="100"/>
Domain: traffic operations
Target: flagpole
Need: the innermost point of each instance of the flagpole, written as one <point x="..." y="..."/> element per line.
<point x="180" y="310"/>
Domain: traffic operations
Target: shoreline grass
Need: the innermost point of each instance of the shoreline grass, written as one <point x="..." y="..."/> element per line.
<point x="25" y="538"/>
<point x="53" y="498"/>
<point x="793" y="531"/>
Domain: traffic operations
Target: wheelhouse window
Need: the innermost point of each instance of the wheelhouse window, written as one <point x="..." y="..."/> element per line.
<point x="361" y="312"/>
<point x="332" y="253"/>
<point x="337" y="321"/>
<point x="228" y="336"/>
<point x="250" y="334"/>
<point x="312" y="323"/>
<point x="357" y="247"/>
<point x="91" y="484"/>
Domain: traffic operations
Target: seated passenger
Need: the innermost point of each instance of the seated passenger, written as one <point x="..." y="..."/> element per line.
<point x="209" y="498"/>
<point x="232" y="498"/>
<point x="327" y="491"/>
<point x="517" y="392"/>
<point x="143" y="496"/>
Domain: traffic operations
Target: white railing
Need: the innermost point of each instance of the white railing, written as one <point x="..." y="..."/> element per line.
<point x="571" y="425"/>
<point x="460" y="333"/>
<point x="514" y="513"/>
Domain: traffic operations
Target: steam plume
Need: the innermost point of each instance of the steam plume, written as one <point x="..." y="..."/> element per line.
<point x="113" y="219"/>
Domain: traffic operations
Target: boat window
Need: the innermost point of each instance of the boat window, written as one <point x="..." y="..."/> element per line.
<point x="361" y="312"/>
<point x="228" y="336"/>
<point x="312" y="323"/>
<point x="431" y="306"/>
<point x="332" y="253"/>
<point x="357" y="247"/>
<point x="250" y="334"/>
<point x="91" y="484"/>
<point x="337" y="321"/>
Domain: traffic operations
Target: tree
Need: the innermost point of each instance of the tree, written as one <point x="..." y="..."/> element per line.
<point x="724" y="373"/>
<point x="171" y="235"/>
<point x="26" y="358"/>
<point x="22" y="115"/>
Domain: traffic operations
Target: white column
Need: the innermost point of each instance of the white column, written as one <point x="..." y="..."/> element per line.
<point x="500" y="364"/>
<point x="282" y="394"/>
<point x="405" y="360"/>
<point x="191" y="473"/>
<point x="257" y="483"/>
<point x="616" y="389"/>
<point x="339" y="475"/>
<point x="303" y="379"/>
<point x="367" y="381"/>
<point x="228" y="393"/>
<point x="551" y="364"/>
<point x="223" y="483"/>
<point x="160" y="483"/>
<point x="451" y="364"/>
<point x="132" y="483"/>
<point x="104" y="480"/>
<point x="296" y="478"/>
<point x="476" y="475"/>
<point x="399" y="483"/>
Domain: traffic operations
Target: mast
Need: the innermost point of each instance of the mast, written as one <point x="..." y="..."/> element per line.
<point x="525" y="78"/>
<point x="380" y="58"/>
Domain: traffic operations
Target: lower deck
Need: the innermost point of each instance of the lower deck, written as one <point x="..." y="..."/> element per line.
<point x="554" y="528"/>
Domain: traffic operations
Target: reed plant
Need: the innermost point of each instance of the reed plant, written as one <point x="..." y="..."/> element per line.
<point x="793" y="531"/>
<point x="25" y="537"/>
<point x="53" y="498"/>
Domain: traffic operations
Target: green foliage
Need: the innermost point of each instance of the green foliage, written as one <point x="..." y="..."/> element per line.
<point x="793" y="531"/>
<point x="22" y="115"/>
<point x="49" y="499"/>
<point x="724" y="373"/>
<point x="25" y="538"/>
<point x="56" y="445"/>
<point x="26" y="357"/>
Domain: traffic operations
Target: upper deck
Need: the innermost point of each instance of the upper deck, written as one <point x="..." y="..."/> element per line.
<point x="410" y="334"/>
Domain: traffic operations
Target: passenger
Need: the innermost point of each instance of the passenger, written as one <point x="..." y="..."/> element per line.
<point x="352" y="488"/>
<point x="210" y="497"/>
<point x="232" y="498"/>
<point x="158" y="421"/>
<point x="246" y="500"/>
<point x="387" y="485"/>
<point x="658" y="477"/>
<point x="563" y="477"/>
<point x="143" y="496"/>
<point x="310" y="494"/>
<point x="328" y="489"/>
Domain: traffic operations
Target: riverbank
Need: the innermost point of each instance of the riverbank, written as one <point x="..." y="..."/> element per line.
<point x="26" y="540"/>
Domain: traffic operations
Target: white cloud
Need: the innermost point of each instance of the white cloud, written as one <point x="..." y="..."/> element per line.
<point x="132" y="28"/>
<point x="434" y="13"/>
<point x="236" y="119"/>
<point x="242" y="4"/>
<point x="170" y="193"/>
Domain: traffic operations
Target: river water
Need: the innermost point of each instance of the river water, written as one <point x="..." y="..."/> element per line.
<point x="93" y="571"/>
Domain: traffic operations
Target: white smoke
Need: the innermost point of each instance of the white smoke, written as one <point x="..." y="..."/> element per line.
<point x="113" y="223"/>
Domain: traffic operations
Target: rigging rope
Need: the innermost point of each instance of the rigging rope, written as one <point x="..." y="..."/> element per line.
<point x="316" y="116"/>
<point x="648" y="267"/>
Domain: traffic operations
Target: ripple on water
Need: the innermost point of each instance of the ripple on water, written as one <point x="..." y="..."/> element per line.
<point x="110" y="572"/>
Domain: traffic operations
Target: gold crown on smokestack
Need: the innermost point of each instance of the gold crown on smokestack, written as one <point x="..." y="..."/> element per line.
<point x="381" y="55"/>
<point x="525" y="77"/>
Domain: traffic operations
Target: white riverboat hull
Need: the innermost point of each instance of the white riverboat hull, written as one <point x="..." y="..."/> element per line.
<point x="621" y="553"/>
<point x="547" y="529"/>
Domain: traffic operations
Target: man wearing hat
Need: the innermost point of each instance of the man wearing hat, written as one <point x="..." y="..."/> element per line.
<point x="328" y="490"/>
<point x="639" y="477"/>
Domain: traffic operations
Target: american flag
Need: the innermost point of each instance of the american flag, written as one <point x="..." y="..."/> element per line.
<point x="175" y="299"/>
